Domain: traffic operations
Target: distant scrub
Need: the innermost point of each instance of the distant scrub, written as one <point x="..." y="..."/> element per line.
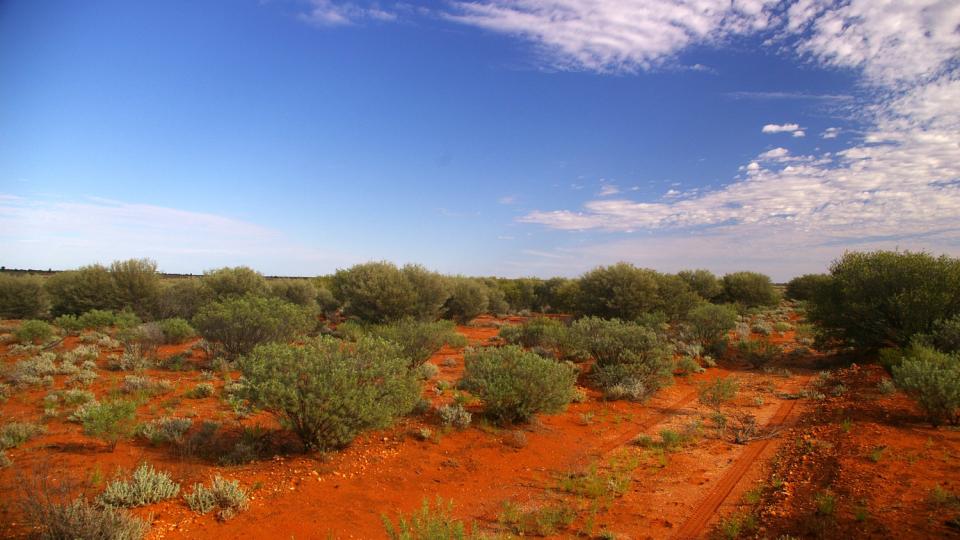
<point x="183" y="297"/>
<point x="703" y="282"/>
<point x="327" y="391"/>
<point x="620" y="291"/>
<point x="750" y="289"/>
<point x="137" y="286"/>
<point x="226" y="283"/>
<point x="515" y="384"/>
<point x="468" y="299"/>
<point x="380" y="292"/>
<point x="419" y="340"/>
<point x="805" y="287"/>
<point x="79" y="291"/>
<point x="241" y="323"/>
<point x="548" y="334"/>
<point x="300" y="292"/>
<point x="34" y="332"/>
<point x="23" y="297"/>
<point x="632" y="361"/>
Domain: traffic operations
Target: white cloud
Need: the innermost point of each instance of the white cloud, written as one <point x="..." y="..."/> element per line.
<point x="780" y="128"/>
<point x="830" y="133"/>
<point x="775" y="154"/>
<point x="799" y="133"/>
<point x="334" y="13"/>
<point x="608" y="189"/>
<point x="46" y="233"/>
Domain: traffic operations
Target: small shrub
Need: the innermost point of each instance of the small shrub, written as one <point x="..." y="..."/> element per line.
<point x="240" y="324"/>
<point x="428" y="523"/>
<point x="946" y="334"/>
<point x="96" y="319"/>
<point x="164" y="430"/>
<point x="632" y="361"/>
<point x="749" y="289"/>
<point x="109" y="420"/>
<point x="327" y="391"/>
<point x="933" y="379"/>
<point x="142" y="383"/>
<point x="543" y="521"/>
<point x="146" y="486"/>
<point x="34" y="371"/>
<point x="719" y="391"/>
<point x="236" y="282"/>
<point x="225" y="496"/>
<point x="34" y="332"/>
<point x="427" y="371"/>
<point x="455" y="415"/>
<point x="14" y="434"/>
<point x="176" y="330"/>
<point x="419" y="340"/>
<point x="200" y="391"/>
<point x="758" y="353"/>
<point x="688" y="365"/>
<point x="515" y="384"/>
<point x="886" y="387"/>
<point x="826" y="503"/>
<point x="81" y="519"/>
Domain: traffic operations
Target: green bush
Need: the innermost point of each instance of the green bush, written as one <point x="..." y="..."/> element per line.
<point x="750" y="289"/>
<point x="545" y="333"/>
<point x="240" y="324"/>
<point x="515" y="384"/>
<point x="176" y="330"/>
<point x="95" y="319"/>
<point x="34" y="332"/>
<point x="709" y="324"/>
<point x="933" y="379"/>
<point x="632" y="361"/>
<point x="224" y="495"/>
<point x="137" y="286"/>
<point x="620" y="291"/>
<point x="805" y="287"/>
<point x="16" y="433"/>
<point x="759" y="352"/>
<point x="146" y="486"/>
<point x="109" y="420"/>
<point x="496" y="299"/>
<point x="419" y="340"/>
<point x="885" y="298"/>
<point x="675" y="297"/>
<point x="79" y="291"/>
<point x="328" y="391"/>
<point x="164" y="430"/>
<point x="226" y="283"/>
<point x="468" y="298"/>
<point x="380" y="292"/>
<point x="946" y="334"/>
<point x="428" y="523"/>
<point x="200" y="391"/>
<point x="80" y="519"/>
<point x="558" y="295"/>
<point x="703" y="282"/>
<point x="300" y="292"/>
<point x="23" y="297"/>
<point x="183" y="297"/>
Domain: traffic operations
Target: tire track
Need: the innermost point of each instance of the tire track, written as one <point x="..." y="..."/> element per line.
<point x="693" y="527"/>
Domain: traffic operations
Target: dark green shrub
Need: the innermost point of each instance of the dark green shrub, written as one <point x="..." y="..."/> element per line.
<point x="946" y="334"/>
<point x="703" y="282"/>
<point x="750" y="289"/>
<point x="632" y="361"/>
<point x="137" y="286"/>
<point x="300" y="292"/>
<point x="620" y="291"/>
<point x="95" y="319"/>
<point x="557" y="295"/>
<point x="759" y="352"/>
<point x="68" y="323"/>
<point x="176" y="330"/>
<point x="496" y="299"/>
<point x="183" y="297"/>
<point x="34" y="332"/>
<point x="468" y="298"/>
<point x="675" y="297"/>
<point x="431" y="292"/>
<point x="546" y="333"/>
<point x="234" y="282"/>
<point x="885" y="298"/>
<point x="419" y="340"/>
<point x="79" y="291"/>
<point x="380" y="292"/>
<point x="146" y="486"/>
<point x="327" y="303"/>
<point x="515" y="384"/>
<point x="240" y="324"/>
<point x="23" y="297"/>
<point x="520" y="294"/>
<point x="709" y="324"/>
<point x="933" y="379"/>
<point x="328" y="391"/>
<point x="804" y="287"/>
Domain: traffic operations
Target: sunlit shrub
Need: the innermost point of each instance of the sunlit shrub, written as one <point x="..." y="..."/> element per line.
<point x="226" y="496"/>
<point x="933" y="379"/>
<point x="380" y="292"/>
<point x="145" y="486"/>
<point x="703" y="282"/>
<point x="176" y="330"/>
<point x="620" y="291"/>
<point x="632" y="361"/>
<point x="296" y="291"/>
<point x="240" y="324"/>
<point x="235" y="282"/>
<point x="419" y="340"/>
<point x="34" y="331"/>
<point x="183" y="297"/>
<point x="79" y="291"/>
<point x="137" y="286"/>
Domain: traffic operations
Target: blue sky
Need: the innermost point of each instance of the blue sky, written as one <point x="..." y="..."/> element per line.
<point x="492" y="137"/>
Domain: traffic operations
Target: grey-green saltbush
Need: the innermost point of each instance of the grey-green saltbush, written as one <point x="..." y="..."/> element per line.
<point x="81" y="519"/>
<point x="455" y="415"/>
<point x="16" y="433"/>
<point x="327" y="391"/>
<point x="933" y="379"/>
<point x="632" y="361"/>
<point x="515" y="384"/>
<point x="164" y="430"/>
<point x="380" y="292"/>
<point x="224" y="495"/>
<point x="145" y="486"/>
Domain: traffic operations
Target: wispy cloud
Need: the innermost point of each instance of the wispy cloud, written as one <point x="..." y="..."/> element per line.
<point x="788" y="96"/>
<point x="507" y="199"/>
<point x="830" y="133"/>
<point x="793" y="129"/>
<point x="608" y="189"/>
<point x="336" y="13"/>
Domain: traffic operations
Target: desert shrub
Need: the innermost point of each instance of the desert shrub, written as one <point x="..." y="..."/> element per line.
<point x="428" y="523"/>
<point x="515" y="384"/>
<point x="235" y="282"/>
<point x="226" y="496"/>
<point x="419" y="340"/>
<point x="200" y="391"/>
<point x="455" y="415"/>
<point x="545" y="333"/>
<point x="520" y="294"/>
<point x="328" y="391"/>
<point x="632" y="361"/>
<point x="933" y="379"/>
<point x="718" y="391"/>
<point x="703" y="282"/>
<point x="805" y="287"/>
<point x="750" y="289"/>
<point x="558" y="295"/>
<point x="144" y="384"/>
<point x="239" y="324"/>
<point x="23" y="297"/>
<point x="946" y="334"/>
<point x="620" y="291"/>
<point x="675" y="297"/>
<point x="137" y="286"/>
<point x="468" y="298"/>
<point x="427" y="371"/>
<point x="35" y="370"/>
<point x="326" y="301"/>
<point x="759" y="352"/>
<point x="380" y="292"/>
<point x="108" y="420"/>
<point x="146" y="486"/>
<point x="709" y="324"/>
<point x="34" y="331"/>
<point x="542" y="521"/>
<point x="300" y="292"/>
<point x="885" y="298"/>
<point x="131" y="359"/>
<point x="94" y="319"/>
<point x="55" y="520"/>
<point x="76" y="397"/>
<point x="496" y="299"/>
<point x="68" y="323"/>
<point x="182" y="297"/>
<point x="14" y="434"/>
<point x="176" y="330"/>
<point x="79" y="291"/>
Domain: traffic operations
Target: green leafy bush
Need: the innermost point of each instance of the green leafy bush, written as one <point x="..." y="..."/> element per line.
<point x="419" y="340"/>
<point x="933" y="379"/>
<point x="805" y="287"/>
<point x="240" y="324"/>
<point x="558" y="295"/>
<point x="235" y="282"/>
<point x="226" y="496"/>
<point x="431" y="292"/>
<point x="620" y="291"/>
<point x="515" y="384"/>
<point x="545" y="333"/>
<point x="703" y="282"/>
<point x="200" y="391"/>
<point x="380" y="292"/>
<point x="709" y="325"/>
<point x="750" y="289"/>
<point x="176" y="330"/>
<point x="468" y="299"/>
<point x="885" y="298"/>
<point x="632" y="361"/>
<point x="146" y="486"/>
<point x="328" y="391"/>
<point x="946" y="334"/>
<point x="34" y="331"/>
<point x="23" y="297"/>
<point x="95" y="319"/>
<point x="300" y="292"/>
<point x="80" y="519"/>
<point x="183" y="297"/>
<point x="108" y="420"/>
<point x="758" y="352"/>
<point x="79" y="291"/>
<point x="137" y="286"/>
<point x="428" y="523"/>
